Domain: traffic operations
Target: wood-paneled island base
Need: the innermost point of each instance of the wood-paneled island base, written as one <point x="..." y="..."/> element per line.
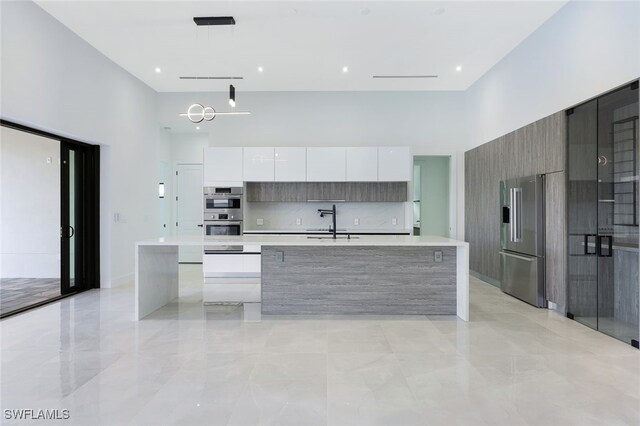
<point x="377" y="274"/>
<point x="358" y="280"/>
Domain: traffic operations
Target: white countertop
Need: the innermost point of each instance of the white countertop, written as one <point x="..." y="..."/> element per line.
<point x="340" y="231"/>
<point x="302" y="240"/>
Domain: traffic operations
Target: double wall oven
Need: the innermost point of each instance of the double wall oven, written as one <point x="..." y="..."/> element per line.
<point x="222" y="210"/>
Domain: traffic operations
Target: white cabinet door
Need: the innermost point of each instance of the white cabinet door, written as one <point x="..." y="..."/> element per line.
<point x="222" y="165"/>
<point x="290" y="164"/>
<point x="258" y="164"/>
<point x="326" y="164"/>
<point x="394" y="164"/>
<point x="362" y="164"/>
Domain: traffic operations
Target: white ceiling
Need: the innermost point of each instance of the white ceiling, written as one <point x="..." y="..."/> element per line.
<point x="304" y="45"/>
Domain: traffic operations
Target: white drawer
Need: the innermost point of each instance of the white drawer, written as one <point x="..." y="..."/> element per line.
<point x="231" y="265"/>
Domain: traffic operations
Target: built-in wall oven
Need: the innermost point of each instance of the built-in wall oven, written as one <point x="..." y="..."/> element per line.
<point x="222" y="227"/>
<point x="222" y="210"/>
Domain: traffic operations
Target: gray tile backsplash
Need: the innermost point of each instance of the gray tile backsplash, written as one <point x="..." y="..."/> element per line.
<point x="283" y="216"/>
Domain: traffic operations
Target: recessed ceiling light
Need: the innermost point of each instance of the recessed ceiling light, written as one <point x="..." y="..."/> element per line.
<point x="197" y="127"/>
<point x="345" y="69"/>
<point x="439" y="11"/>
<point x="158" y="69"/>
<point x="260" y="69"/>
<point x="459" y="68"/>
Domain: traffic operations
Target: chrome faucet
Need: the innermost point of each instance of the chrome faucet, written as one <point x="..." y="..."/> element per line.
<point x="332" y="212"/>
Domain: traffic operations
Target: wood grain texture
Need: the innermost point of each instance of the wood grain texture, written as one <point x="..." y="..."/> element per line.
<point x="537" y="148"/>
<point x="358" y="280"/>
<point x="555" y="239"/>
<point x="349" y="191"/>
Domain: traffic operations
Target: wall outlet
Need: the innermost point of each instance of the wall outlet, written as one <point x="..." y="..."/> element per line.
<point x="437" y="256"/>
<point x="260" y="221"/>
<point x="298" y="221"/>
<point x="356" y="221"/>
<point x="49" y="160"/>
<point x="394" y="221"/>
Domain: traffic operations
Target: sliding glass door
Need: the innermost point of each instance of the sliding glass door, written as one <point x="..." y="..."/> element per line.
<point x="603" y="206"/>
<point x="79" y="217"/>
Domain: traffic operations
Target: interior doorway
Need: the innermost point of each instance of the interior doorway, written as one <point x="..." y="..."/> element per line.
<point x="431" y="195"/>
<point x="189" y="208"/>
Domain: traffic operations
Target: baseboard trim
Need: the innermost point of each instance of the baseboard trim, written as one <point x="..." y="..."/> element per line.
<point x="485" y="278"/>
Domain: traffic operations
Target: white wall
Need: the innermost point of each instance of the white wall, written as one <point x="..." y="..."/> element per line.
<point x="53" y="80"/>
<point x="586" y="48"/>
<point x="29" y="205"/>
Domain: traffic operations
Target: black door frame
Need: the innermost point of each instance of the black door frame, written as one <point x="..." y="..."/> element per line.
<point x="88" y="213"/>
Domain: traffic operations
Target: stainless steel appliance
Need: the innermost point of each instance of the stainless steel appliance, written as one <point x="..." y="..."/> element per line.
<point x="223" y="200"/>
<point x="222" y="227"/>
<point x="522" y="239"/>
<point x="222" y="210"/>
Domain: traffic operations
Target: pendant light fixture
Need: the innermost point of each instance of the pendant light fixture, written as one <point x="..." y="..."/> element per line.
<point x="232" y="96"/>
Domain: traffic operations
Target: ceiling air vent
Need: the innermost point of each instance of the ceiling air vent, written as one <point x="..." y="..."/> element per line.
<point x="211" y="78"/>
<point x="405" y="76"/>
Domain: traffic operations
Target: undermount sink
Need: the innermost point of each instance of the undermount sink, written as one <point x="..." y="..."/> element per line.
<point x="329" y="237"/>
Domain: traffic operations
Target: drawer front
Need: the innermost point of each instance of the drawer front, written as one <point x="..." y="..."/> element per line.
<point x="231" y="265"/>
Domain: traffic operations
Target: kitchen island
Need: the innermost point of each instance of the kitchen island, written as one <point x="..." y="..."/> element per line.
<point x="382" y="274"/>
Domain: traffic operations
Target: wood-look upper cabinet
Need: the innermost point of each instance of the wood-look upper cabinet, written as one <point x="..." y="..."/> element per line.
<point x="282" y="192"/>
<point x="394" y="164"/>
<point x="222" y="164"/>
<point x="376" y="192"/>
<point x="290" y="164"/>
<point x="362" y="164"/>
<point x="326" y="164"/>
<point x="258" y="164"/>
<point x="329" y="191"/>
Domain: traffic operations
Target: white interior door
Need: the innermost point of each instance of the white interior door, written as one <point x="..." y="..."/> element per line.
<point x="189" y="208"/>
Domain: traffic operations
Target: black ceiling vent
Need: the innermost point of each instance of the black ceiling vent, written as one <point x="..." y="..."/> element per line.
<point x="214" y="20"/>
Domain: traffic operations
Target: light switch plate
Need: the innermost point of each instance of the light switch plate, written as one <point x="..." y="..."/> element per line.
<point x="259" y="221"/>
<point x="437" y="256"/>
<point x="394" y="221"/>
<point x="356" y="221"/>
<point x="298" y="221"/>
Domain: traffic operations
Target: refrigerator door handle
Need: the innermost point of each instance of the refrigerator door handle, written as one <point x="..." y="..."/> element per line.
<point x="517" y="226"/>
<point x="511" y="210"/>
<point x="528" y="259"/>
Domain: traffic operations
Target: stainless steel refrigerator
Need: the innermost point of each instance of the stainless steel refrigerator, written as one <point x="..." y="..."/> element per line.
<point x="522" y="239"/>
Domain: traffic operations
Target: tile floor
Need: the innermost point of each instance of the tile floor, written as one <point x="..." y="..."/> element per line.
<point x="16" y="293"/>
<point x="194" y="365"/>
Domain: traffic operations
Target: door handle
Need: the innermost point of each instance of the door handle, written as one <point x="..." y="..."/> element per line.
<point x="200" y="226"/>
<point x="587" y="242"/>
<point x="528" y="259"/>
<point x="511" y="211"/>
<point x="609" y="251"/>
<point x="73" y="232"/>
<point x="517" y="226"/>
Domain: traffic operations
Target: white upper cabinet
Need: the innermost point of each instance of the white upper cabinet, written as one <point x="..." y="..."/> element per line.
<point x="394" y="164"/>
<point x="290" y="164"/>
<point x="258" y="164"/>
<point x="362" y="164"/>
<point x="222" y="165"/>
<point x="326" y="164"/>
